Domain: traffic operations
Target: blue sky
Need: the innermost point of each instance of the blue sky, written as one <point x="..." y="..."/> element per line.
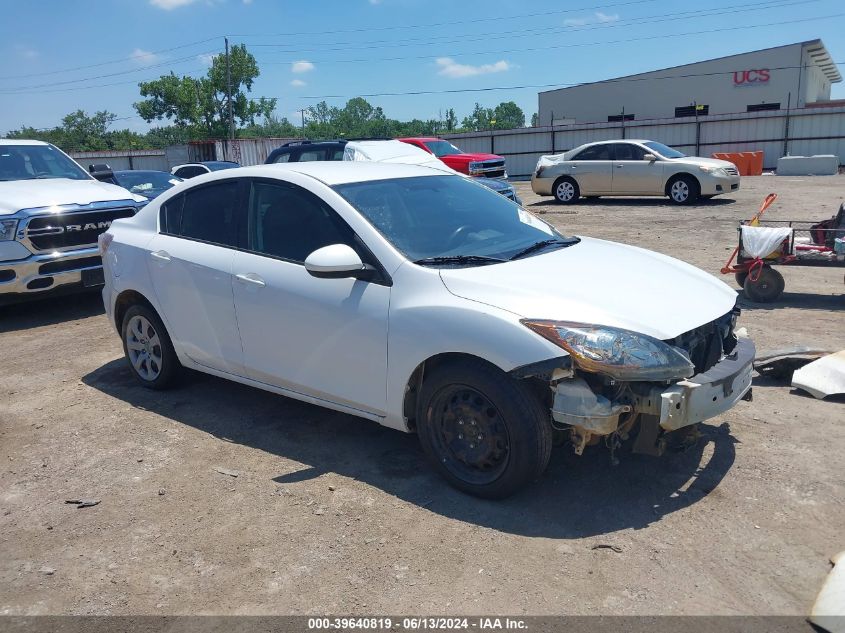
<point x="310" y="49"/>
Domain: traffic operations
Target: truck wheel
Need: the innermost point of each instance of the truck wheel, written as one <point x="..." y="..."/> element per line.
<point x="484" y="432"/>
<point x="148" y="348"/>
<point x="566" y="190"/>
<point x="683" y="189"/>
<point x="767" y="288"/>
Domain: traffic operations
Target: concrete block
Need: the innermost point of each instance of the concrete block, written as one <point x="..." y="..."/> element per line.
<point x="824" y="165"/>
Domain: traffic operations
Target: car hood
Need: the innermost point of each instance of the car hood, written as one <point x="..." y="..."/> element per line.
<point x="32" y="194"/>
<point x="602" y="283"/>
<point x="493" y="183"/>
<point x="469" y="157"/>
<point x="698" y="160"/>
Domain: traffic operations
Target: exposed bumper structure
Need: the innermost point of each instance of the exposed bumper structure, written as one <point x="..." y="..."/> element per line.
<point x="682" y="404"/>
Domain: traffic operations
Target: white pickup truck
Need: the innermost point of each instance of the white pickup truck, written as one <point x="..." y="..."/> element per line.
<point x="51" y="213"/>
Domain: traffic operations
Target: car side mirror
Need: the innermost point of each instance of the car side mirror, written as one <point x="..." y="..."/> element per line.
<point x="649" y="157"/>
<point x="337" y="261"/>
<point x="102" y="172"/>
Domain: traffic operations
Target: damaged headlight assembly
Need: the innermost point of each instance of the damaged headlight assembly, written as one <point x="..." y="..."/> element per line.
<point x="620" y="354"/>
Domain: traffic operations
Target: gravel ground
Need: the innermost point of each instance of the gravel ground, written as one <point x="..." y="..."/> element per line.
<point x="333" y="514"/>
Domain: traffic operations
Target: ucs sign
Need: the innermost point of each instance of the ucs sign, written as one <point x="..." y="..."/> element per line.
<point x="751" y="77"/>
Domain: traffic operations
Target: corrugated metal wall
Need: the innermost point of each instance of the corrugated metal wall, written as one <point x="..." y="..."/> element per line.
<point x="248" y="151"/>
<point x="811" y="131"/>
<point x="136" y="159"/>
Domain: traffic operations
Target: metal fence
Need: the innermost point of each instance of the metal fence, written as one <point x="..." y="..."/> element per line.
<point x="777" y="133"/>
<point x="124" y="159"/>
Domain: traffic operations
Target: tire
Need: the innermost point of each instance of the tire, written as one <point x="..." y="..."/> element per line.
<point x="566" y="190"/>
<point x="767" y="288"/>
<point x="740" y="278"/>
<point x="513" y="429"/>
<point x="148" y="348"/>
<point x="683" y="190"/>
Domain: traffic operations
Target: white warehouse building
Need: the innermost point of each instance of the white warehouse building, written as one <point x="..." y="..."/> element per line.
<point x="784" y="77"/>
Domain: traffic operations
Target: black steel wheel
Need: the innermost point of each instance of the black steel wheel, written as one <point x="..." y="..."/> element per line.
<point x="482" y="430"/>
<point x="766" y="288"/>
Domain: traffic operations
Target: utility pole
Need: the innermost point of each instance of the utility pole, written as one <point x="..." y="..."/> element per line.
<point x="302" y="112"/>
<point x="229" y="91"/>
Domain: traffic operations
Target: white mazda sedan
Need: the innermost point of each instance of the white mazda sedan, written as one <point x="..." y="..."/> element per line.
<point x="427" y="303"/>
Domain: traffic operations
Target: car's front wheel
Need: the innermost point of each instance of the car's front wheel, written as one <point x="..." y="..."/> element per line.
<point x="566" y="190"/>
<point x="148" y="348"/>
<point x="483" y="431"/>
<point x="683" y="190"/>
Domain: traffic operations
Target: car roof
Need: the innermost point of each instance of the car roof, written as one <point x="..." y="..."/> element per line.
<point x="141" y="171"/>
<point x="421" y="138"/>
<point x="331" y="172"/>
<point x="15" y="141"/>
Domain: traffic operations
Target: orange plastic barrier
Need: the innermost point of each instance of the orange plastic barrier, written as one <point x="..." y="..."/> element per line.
<point x="747" y="163"/>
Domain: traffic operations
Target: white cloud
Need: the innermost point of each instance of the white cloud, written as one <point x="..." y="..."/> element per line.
<point x="452" y="69"/>
<point x="168" y="5"/>
<point x="597" y="18"/>
<point x="297" y="83"/>
<point x="604" y="17"/>
<point x="302" y="66"/>
<point x="26" y="52"/>
<point x="143" y="58"/>
<point x="206" y="58"/>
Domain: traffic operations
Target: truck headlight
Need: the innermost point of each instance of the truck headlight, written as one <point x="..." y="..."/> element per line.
<point x="7" y="229"/>
<point x="620" y="354"/>
<point x="474" y="168"/>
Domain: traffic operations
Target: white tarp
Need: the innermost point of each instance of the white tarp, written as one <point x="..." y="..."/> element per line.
<point x="393" y="152"/>
<point x="759" y="241"/>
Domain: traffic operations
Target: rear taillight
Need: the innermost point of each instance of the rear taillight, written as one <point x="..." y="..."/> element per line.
<point x="104" y="241"/>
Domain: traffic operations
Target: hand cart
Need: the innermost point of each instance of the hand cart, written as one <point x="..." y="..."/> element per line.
<point x="797" y="243"/>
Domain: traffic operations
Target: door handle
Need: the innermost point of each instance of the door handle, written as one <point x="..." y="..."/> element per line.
<point x="162" y="256"/>
<point x="619" y="166"/>
<point x="251" y="278"/>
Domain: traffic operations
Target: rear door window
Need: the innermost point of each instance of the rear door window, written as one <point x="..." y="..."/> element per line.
<point x="209" y="213"/>
<point x="627" y="151"/>
<point x="190" y="171"/>
<point x="312" y="155"/>
<point x="596" y="152"/>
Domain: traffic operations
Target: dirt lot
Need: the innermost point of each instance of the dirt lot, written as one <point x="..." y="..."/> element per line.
<point x="332" y="514"/>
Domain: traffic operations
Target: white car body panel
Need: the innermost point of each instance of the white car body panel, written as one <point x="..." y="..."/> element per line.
<point x="16" y="195"/>
<point x="353" y="345"/>
<point x="602" y="283"/>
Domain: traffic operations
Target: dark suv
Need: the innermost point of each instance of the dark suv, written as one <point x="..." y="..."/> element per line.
<point x="301" y="151"/>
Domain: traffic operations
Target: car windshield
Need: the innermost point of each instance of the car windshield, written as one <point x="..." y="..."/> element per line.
<point x="27" y="162"/>
<point x="664" y="150"/>
<point x="442" y="148"/>
<point x="430" y="217"/>
<point x="143" y="182"/>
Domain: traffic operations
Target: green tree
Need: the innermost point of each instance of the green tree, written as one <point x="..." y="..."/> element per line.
<point x="272" y="127"/>
<point x="507" y="116"/>
<point x="83" y="133"/>
<point x="479" y="119"/>
<point x="202" y="103"/>
<point x="535" y="120"/>
<point x="451" y="120"/>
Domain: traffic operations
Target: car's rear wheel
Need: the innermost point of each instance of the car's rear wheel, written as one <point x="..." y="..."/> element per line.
<point x="766" y="288"/>
<point x="566" y="190"/>
<point x="483" y="431"/>
<point x="683" y="190"/>
<point x="148" y="348"/>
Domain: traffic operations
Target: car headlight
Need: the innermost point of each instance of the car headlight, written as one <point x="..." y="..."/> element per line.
<point x="7" y="229"/>
<point x="715" y="171"/>
<point x="620" y="354"/>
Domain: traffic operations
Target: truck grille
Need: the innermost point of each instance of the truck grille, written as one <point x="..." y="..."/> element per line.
<point x="65" y="230"/>
<point x="493" y="168"/>
<point x="705" y="345"/>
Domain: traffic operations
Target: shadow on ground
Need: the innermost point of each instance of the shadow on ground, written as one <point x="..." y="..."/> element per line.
<point x="41" y="312"/>
<point x="630" y="202"/>
<point x="576" y="497"/>
<point x="803" y="300"/>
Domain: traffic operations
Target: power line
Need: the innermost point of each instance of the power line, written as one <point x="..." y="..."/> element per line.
<point x="106" y="63"/>
<point x="637" y="21"/>
<point x="553" y="85"/>
<point x="559" y="46"/>
<point x="12" y="92"/>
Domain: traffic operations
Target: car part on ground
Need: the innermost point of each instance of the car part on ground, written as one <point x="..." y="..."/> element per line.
<point x="486" y="331"/>
<point x="631" y="168"/>
<point x="828" y="610"/>
<point x="51" y="213"/>
<point x="782" y="363"/>
<point x="823" y="377"/>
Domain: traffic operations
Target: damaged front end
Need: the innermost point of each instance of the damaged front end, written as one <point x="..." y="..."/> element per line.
<point x="614" y="381"/>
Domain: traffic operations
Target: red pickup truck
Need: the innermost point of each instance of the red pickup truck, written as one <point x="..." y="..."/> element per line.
<point x="487" y="165"/>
